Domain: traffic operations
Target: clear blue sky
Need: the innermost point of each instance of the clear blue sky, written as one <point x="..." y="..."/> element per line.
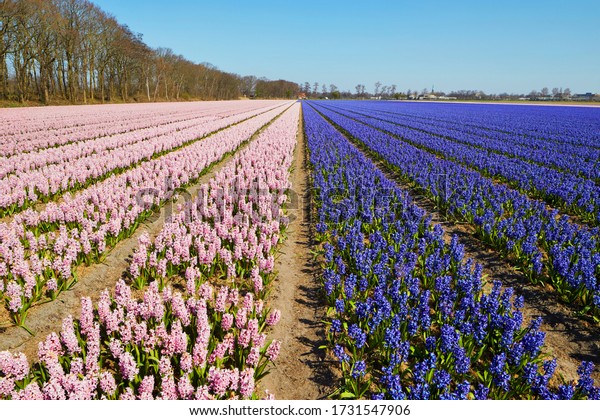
<point x="495" y="46"/>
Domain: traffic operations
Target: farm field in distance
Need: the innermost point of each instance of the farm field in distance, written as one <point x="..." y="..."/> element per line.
<point x="284" y="249"/>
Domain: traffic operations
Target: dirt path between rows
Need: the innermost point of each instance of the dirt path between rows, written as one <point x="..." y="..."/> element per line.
<point x="302" y="371"/>
<point x="47" y="318"/>
<point x="569" y="338"/>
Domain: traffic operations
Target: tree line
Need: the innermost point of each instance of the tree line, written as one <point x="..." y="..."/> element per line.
<point x="318" y="90"/>
<point x="71" y="50"/>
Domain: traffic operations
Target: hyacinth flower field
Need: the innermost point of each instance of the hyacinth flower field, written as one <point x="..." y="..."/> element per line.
<point x="278" y="249"/>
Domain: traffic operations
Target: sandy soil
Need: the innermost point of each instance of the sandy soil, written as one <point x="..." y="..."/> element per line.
<point x="302" y="370"/>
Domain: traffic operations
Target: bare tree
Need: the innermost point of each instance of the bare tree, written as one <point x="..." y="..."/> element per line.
<point x="248" y="84"/>
<point x="377" y="86"/>
<point x="10" y="13"/>
<point x="360" y="90"/>
<point x="306" y="88"/>
<point x="23" y="51"/>
<point x="45" y="41"/>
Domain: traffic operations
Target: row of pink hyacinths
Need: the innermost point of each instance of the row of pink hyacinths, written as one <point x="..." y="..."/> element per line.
<point x="132" y="131"/>
<point x="51" y="130"/>
<point x="39" y="250"/>
<point x="65" y="119"/>
<point x="86" y="142"/>
<point x="231" y="228"/>
<point x="208" y="344"/>
<point x="86" y="161"/>
<point x="205" y="343"/>
<point x="26" y="129"/>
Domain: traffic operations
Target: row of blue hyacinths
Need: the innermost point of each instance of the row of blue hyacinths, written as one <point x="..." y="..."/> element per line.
<point x="497" y="156"/>
<point x="407" y="313"/>
<point x="545" y="244"/>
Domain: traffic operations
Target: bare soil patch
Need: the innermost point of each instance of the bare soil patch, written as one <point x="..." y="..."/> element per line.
<point x="302" y="371"/>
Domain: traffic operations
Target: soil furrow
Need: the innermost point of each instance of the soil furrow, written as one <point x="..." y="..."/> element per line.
<point x="302" y="370"/>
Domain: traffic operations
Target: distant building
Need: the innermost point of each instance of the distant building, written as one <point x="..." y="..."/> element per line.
<point x="588" y="96"/>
